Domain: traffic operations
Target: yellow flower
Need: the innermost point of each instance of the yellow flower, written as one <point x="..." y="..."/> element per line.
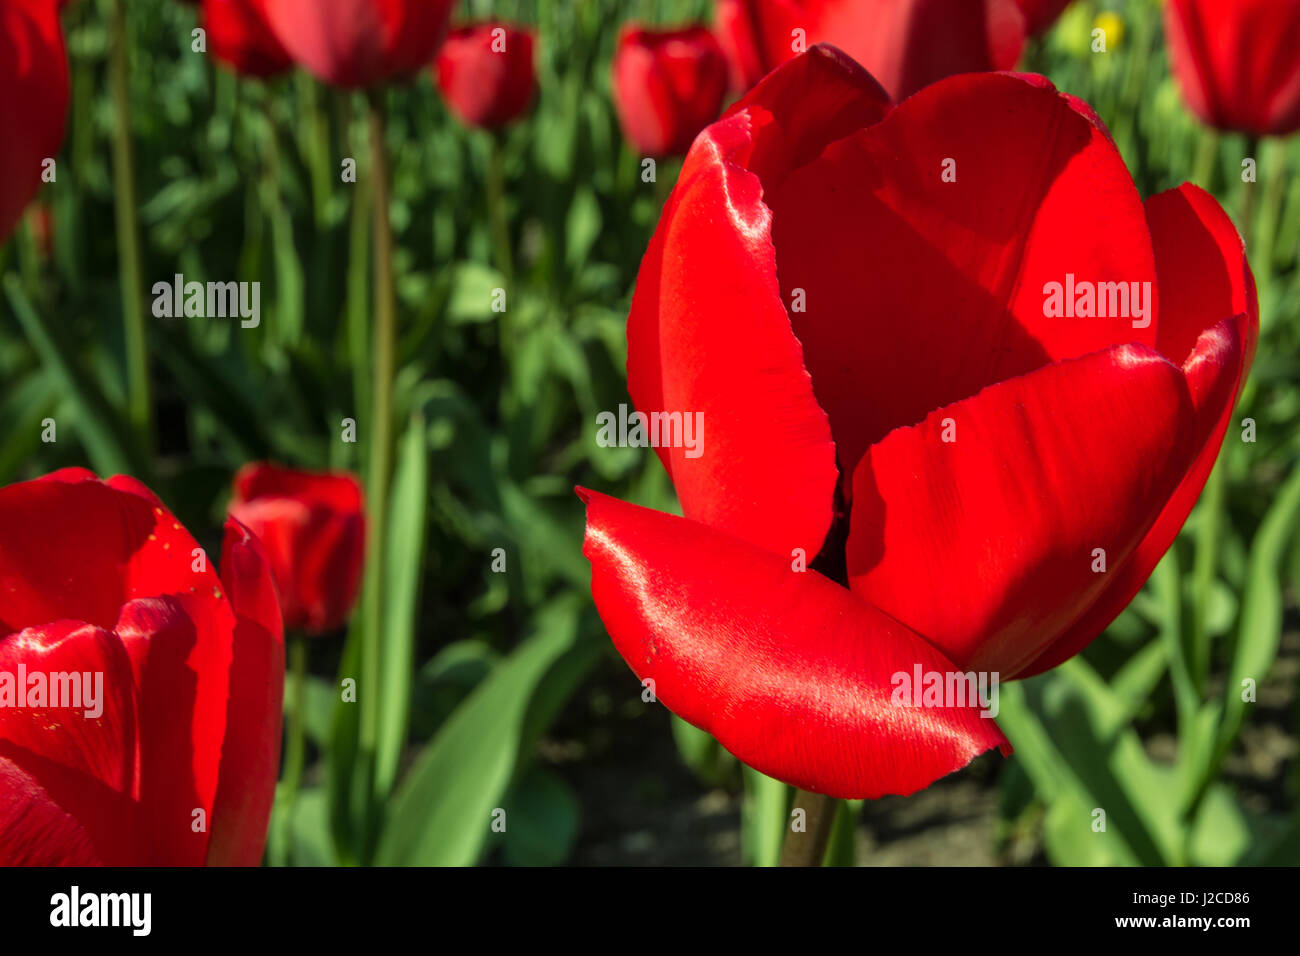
<point x="1112" y="25"/>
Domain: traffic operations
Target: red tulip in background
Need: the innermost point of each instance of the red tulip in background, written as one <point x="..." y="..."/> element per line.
<point x="854" y="297"/>
<point x="668" y="85"/>
<point x="34" y="104"/>
<point x="313" y="527"/>
<point x="905" y="44"/>
<point x="178" y="766"/>
<point x="239" y="35"/>
<point x="356" y="43"/>
<point x="1041" y="14"/>
<point x="485" y="73"/>
<point x="1238" y="62"/>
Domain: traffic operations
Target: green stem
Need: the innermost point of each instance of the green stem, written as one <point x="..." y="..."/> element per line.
<point x="1248" y="202"/>
<point x="315" y="145"/>
<point x="1274" y="174"/>
<point x="381" y="437"/>
<point x="139" y="405"/>
<point x="496" y="190"/>
<point x="1207" y="156"/>
<point x="1204" y="565"/>
<point x="807" y="847"/>
<point x="295" y="748"/>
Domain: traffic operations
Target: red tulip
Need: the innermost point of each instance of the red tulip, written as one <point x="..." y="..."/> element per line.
<point x="905" y="44"/>
<point x="313" y="527"/>
<point x="1041" y="14"/>
<point x="356" y="43"/>
<point x="853" y="297"/>
<point x="165" y="751"/>
<point x="485" y="72"/>
<point x="1238" y="62"/>
<point x="34" y="77"/>
<point x="668" y="85"/>
<point x="240" y="37"/>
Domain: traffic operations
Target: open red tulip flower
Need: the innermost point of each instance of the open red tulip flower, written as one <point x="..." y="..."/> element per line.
<point x="1238" y="62"/>
<point x="240" y="37"/>
<point x="668" y="85"/>
<point x="34" y="106"/>
<point x="945" y="352"/>
<point x="313" y="527"/>
<point x="360" y="43"/>
<point x="140" y="692"/>
<point x="906" y="44"/>
<point x="485" y="72"/>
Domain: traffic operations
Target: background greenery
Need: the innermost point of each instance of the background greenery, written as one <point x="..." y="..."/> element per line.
<point x="239" y="179"/>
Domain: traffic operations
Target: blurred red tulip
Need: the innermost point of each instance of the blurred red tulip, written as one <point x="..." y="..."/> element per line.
<point x="165" y="748"/>
<point x="485" y="72"/>
<point x="1238" y="62"/>
<point x="905" y="44"/>
<point x="34" y="78"/>
<point x="357" y="43"/>
<point x="668" y="85"/>
<point x="239" y="35"/>
<point x="313" y="527"/>
<point x="855" y="299"/>
<point x="1041" y="14"/>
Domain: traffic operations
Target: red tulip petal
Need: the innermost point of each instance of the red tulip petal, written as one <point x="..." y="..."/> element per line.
<point x="709" y="333"/>
<point x="796" y="111"/>
<point x="791" y="672"/>
<point x="180" y="649"/>
<point x="36" y="831"/>
<point x="250" y="758"/>
<point x="709" y="338"/>
<point x="67" y="544"/>
<point x="920" y="292"/>
<point x="101" y="745"/>
<point x="76" y="753"/>
<point x="34" y="77"/>
<point x="1203" y="274"/>
<point x="984" y="543"/>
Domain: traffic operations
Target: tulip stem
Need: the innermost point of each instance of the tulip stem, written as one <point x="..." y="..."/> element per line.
<point x="807" y="846"/>
<point x="139" y="405"/>
<point x="1248" y="200"/>
<point x="295" y="748"/>
<point x="381" y="437"/>
<point x="1274" y="198"/>
<point x="1207" y="157"/>
<point x="496" y="190"/>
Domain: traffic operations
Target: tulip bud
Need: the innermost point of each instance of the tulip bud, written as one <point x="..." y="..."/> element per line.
<point x="668" y="85"/>
<point x="312" y="525"/>
<point x="1238" y="64"/>
<point x="485" y="73"/>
